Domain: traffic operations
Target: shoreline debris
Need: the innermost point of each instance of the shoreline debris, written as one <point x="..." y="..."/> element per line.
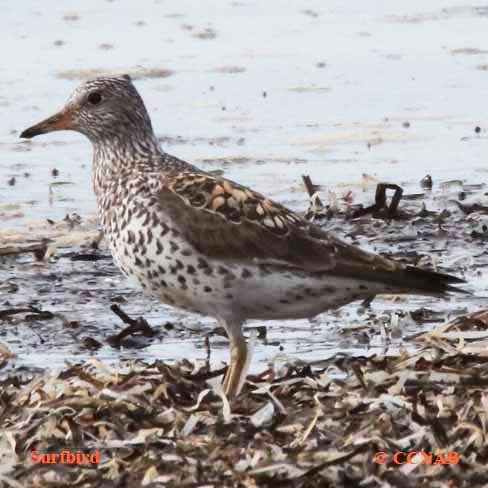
<point x="138" y="326"/>
<point x="156" y="424"/>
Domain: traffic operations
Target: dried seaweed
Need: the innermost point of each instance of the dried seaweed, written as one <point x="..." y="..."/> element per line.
<point x="135" y="326"/>
<point x="170" y="425"/>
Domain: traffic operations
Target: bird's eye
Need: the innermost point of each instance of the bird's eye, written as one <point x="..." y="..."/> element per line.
<point x="94" y="98"/>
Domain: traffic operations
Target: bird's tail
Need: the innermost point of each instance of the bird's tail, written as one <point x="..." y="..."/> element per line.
<point x="406" y="280"/>
<point x="425" y="282"/>
<point x="418" y="281"/>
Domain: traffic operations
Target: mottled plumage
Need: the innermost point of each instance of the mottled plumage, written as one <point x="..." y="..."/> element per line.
<point x="208" y="244"/>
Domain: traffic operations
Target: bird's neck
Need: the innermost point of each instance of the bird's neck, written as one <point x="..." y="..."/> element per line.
<point x="116" y="155"/>
<point x="119" y="159"/>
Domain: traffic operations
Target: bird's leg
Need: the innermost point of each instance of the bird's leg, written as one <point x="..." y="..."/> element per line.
<point x="238" y="356"/>
<point x="233" y="379"/>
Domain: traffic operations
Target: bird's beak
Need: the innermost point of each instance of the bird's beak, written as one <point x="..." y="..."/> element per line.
<point x="63" y="120"/>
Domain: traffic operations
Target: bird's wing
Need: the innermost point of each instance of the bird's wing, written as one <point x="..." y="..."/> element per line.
<point x="223" y="219"/>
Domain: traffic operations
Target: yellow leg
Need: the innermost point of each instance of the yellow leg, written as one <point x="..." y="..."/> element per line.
<point x="238" y="355"/>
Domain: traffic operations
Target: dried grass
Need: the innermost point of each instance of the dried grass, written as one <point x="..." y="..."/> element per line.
<point x="169" y="425"/>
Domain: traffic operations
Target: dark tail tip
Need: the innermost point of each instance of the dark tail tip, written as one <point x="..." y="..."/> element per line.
<point x="432" y="282"/>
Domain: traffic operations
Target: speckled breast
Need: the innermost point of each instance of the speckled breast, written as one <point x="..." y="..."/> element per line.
<point x="149" y="249"/>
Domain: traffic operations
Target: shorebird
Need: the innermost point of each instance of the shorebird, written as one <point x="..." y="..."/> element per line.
<point x="207" y="244"/>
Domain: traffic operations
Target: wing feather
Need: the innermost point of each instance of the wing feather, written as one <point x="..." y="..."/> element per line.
<point x="223" y="219"/>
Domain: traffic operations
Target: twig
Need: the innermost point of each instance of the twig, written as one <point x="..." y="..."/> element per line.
<point x="14" y="311"/>
<point x="380" y="209"/>
<point x="312" y="190"/>
<point x="39" y="250"/>
<point x="139" y="325"/>
<point x="207" y="347"/>
<point x="467" y="209"/>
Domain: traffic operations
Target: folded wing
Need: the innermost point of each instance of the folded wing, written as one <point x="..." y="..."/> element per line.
<point x="223" y="219"/>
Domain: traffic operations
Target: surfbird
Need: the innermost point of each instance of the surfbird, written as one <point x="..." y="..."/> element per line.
<point x="207" y="244"/>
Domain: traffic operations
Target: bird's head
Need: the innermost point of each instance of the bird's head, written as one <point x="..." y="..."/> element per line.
<point x="101" y="108"/>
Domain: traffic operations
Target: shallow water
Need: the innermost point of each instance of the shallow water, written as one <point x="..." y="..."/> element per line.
<point x="267" y="91"/>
